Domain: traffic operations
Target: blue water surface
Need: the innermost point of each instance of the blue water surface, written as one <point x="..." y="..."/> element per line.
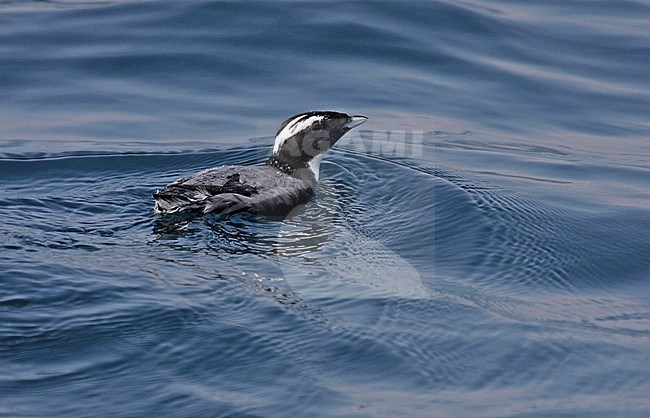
<point x="480" y="247"/>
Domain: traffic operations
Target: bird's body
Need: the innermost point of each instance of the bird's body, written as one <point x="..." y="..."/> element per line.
<point x="258" y="189"/>
<point x="286" y="180"/>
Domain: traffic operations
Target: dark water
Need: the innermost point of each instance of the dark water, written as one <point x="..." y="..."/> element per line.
<point x="482" y="247"/>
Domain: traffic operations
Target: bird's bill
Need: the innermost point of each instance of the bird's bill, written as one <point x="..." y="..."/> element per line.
<point x="356" y="121"/>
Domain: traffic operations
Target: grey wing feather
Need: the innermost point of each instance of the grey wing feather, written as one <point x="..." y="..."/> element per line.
<point x="259" y="189"/>
<point x="209" y="191"/>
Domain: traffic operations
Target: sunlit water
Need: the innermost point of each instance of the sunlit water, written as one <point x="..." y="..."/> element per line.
<point x="480" y="247"/>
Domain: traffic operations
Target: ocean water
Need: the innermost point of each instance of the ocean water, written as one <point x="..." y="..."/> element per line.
<point x="480" y="247"/>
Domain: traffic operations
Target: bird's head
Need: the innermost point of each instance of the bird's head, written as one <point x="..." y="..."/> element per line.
<point x="303" y="139"/>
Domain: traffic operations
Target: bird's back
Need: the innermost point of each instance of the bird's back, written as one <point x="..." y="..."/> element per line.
<point x="259" y="189"/>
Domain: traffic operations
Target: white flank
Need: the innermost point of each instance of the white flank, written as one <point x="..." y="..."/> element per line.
<point x="314" y="165"/>
<point x="175" y="204"/>
<point x="292" y="128"/>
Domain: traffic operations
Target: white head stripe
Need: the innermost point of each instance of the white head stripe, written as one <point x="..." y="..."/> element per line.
<point x="296" y="125"/>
